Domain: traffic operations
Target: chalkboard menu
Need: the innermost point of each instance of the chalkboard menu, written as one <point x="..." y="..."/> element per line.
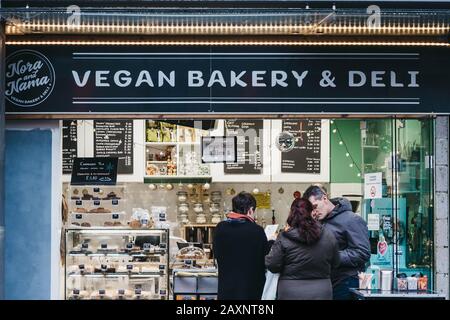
<point x="94" y="171"/>
<point x="305" y="157"/>
<point x="114" y="138"/>
<point x="249" y="146"/>
<point x="69" y="147"/>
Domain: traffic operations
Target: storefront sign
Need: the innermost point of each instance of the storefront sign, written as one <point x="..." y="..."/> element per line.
<point x="204" y="79"/>
<point x="114" y="138"/>
<point x="373" y="185"/>
<point x="249" y="146"/>
<point x="94" y="171"/>
<point x="69" y="144"/>
<point x="305" y="156"/>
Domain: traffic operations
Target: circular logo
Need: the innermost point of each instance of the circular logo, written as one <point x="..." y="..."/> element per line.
<point x="285" y="141"/>
<point x="30" y="78"/>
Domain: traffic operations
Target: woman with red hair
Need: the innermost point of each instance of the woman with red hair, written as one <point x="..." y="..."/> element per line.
<point x="305" y="255"/>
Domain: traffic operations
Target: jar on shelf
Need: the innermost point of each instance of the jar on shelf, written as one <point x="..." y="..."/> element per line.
<point x="198" y="207"/>
<point x="216" y="196"/>
<point x="183" y="208"/>
<point x="182" y="196"/>
<point x="214" y="207"/>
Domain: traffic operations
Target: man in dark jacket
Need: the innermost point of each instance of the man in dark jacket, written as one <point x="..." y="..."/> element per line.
<point x="351" y="234"/>
<point x="240" y="246"/>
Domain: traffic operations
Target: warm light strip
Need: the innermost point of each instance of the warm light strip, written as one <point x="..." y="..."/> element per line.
<point x="225" y="28"/>
<point x="229" y="43"/>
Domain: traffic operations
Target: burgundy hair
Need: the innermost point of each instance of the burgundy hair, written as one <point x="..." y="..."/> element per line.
<point x="300" y="218"/>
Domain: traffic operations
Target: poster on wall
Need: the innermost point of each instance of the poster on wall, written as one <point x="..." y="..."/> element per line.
<point x="114" y="138"/>
<point x="69" y="145"/>
<point x="373" y="185"/>
<point x="305" y="156"/>
<point x="249" y="135"/>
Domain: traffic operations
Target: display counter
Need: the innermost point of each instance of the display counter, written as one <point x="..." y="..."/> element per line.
<point x="377" y="294"/>
<point x="193" y="284"/>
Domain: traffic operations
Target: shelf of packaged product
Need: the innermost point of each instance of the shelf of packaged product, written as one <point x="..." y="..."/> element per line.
<point x="118" y="275"/>
<point x="112" y="255"/>
<point x="102" y="214"/>
<point x="177" y="179"/>
<point x="157" y="161"/>
<point x="188" y="143"/>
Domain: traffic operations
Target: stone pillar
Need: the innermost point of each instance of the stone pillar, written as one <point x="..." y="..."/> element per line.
<point x="441" y="212"/>
<point x="2" y="153"/>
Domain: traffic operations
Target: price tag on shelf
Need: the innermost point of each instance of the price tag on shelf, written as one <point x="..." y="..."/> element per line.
<point x="162" y="267"/>
<point x="129" y="267"/>
<point x="79" y="203"/>
<point x="147" y="246"/>
<point x="96" y="202"/>
<point x="76" y="291"/>
<point x="78" y="216"/>
<point x="97" y="190"/>
<point x="115" y="202"/>
<point x="115" y="216"/>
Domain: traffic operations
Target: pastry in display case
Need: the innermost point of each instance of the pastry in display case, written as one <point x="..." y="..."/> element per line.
<point x="97" y="206"/>
<point x="113" y="263"/>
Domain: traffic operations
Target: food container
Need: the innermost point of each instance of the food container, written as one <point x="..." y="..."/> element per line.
<point x="198" y="207"/>
<point x="216" y="196"/>
<point x="216" y="218"/>
<point x="201" y="218"/>
<point x="214" y="208"/>
<point x="422" y="283"/>
<point x="386" y="280"/>
<point x="183" y="208"/>
<point x="182" y="196"/>
<point x="412" y="283"/>
<point x="402" y="282"/>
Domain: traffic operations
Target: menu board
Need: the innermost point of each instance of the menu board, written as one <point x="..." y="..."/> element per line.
<point x="249" y="146"/>
<point x="94" y="171"/>
<point x="114" y="138"/>
<point x="69" y="145"/>
<point x="305" y="157"/>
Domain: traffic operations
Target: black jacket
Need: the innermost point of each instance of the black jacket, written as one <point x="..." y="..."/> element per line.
<point x="296" y="260"/>
<point x="352" y="236"/>
<point x="239" y="247"/>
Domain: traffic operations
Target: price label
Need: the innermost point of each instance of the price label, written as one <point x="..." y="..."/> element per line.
<point x="96" y="202"/>
<point x="79" y="202"/>
<point x="76" y="291"/>
<point x="163" y="292"/>
<point x="101" y="291"/>
<point x="147" y="246"/>
<point x="162" y="267"/>
<point x="84" y="246"/>
<point x="162" y="245"/>
<point x="188" y="262"/>
<point x="121" y="291"/>
<point x="104" y="246"/>
<point x="129" y="246"/>
<point x="78" y="216"/>
<point x="129" y="267"/>
<point x="138" y="291"/>
<point x="104" y="267"/>
<point x="115" y="216"/>
<point x="96" y="189"/>
<point x="81" y="266"/>
<point x="115" y="202"/>
<point x="162" y="217"/>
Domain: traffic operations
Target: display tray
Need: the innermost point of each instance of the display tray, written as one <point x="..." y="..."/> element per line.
<point x="119" y="275"/>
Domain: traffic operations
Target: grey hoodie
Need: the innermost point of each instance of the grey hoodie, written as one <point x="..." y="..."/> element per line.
<point x="352" y="236"/>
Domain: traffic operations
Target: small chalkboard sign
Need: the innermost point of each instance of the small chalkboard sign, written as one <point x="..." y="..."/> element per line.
<point x="94" y="171"/>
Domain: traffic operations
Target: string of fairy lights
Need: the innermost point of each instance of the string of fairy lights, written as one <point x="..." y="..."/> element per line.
<point x="352" y="163"/>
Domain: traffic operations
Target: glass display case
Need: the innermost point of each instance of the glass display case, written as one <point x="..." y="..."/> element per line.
<point x="402" y="241"/>
<point x="97" y="206"/>
<point x="117" y="264"/>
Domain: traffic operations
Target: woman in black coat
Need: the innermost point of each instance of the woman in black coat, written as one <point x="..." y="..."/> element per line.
<point x="304" y="255"/>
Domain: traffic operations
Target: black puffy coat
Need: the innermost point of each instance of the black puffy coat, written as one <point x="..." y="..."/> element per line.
<point x="352" y="236"/>
<point x="296" y="260"/>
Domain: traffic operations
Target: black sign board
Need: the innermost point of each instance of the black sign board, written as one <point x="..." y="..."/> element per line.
<point x="114" y="138"/>
<point x="94" y="171"/>
<point x="305" y="157"/>
<point x="249" y="135"/>
<point x="69" y="144"/>
<point x="231" y="79"/>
